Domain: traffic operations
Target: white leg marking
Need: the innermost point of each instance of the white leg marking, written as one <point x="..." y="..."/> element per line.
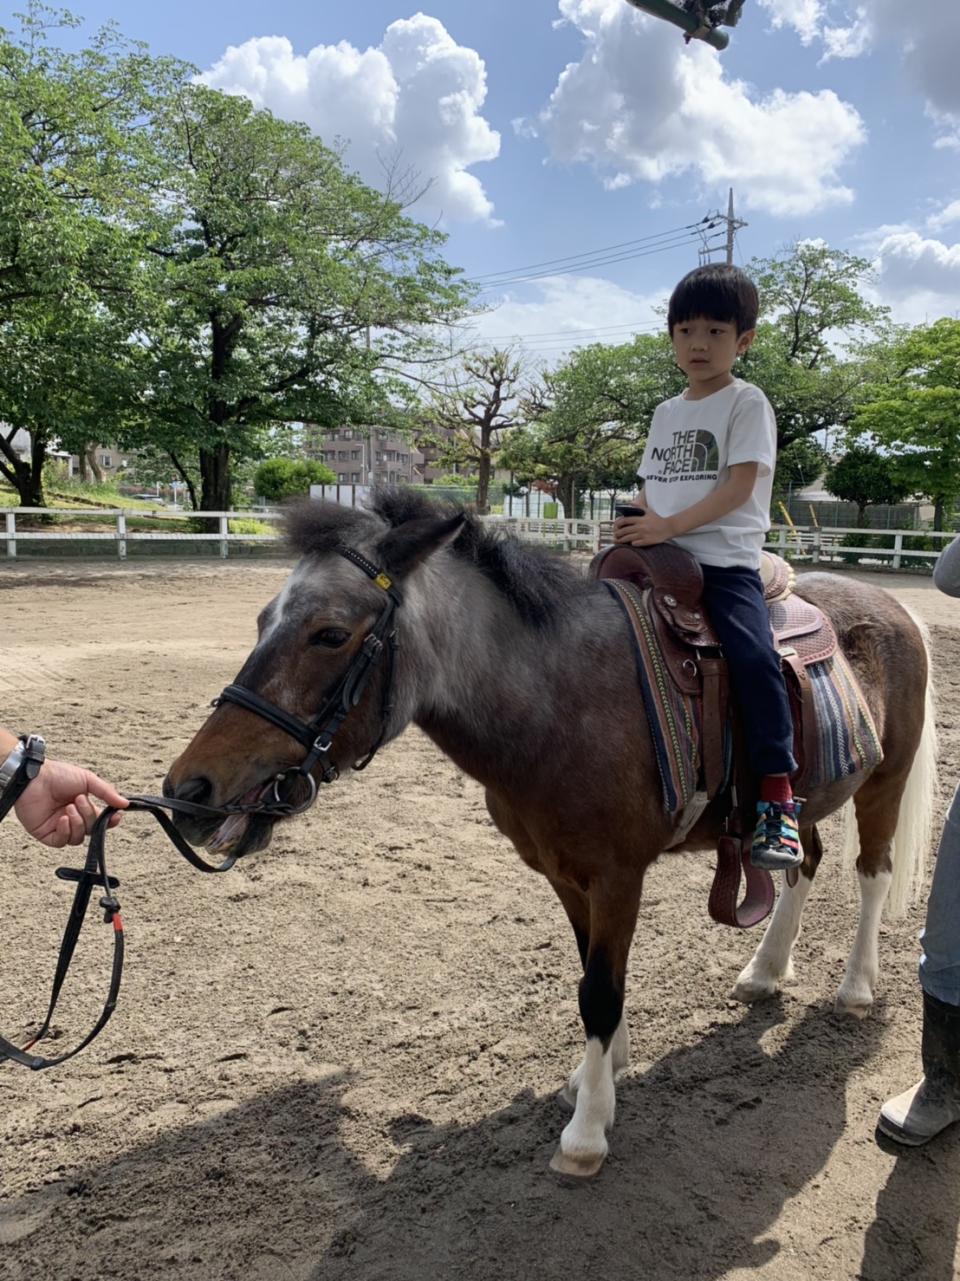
<point x="620" y="1045"/>
<point x="619" y="1056"/>
<point x="583" y="1143"/>
<point x="855" y="995"/>
<point x="772" y="962"/>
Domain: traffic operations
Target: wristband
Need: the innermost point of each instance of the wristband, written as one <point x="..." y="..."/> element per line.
<point x="19" y="770"/>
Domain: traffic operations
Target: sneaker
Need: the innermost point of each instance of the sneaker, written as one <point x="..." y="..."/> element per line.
<point x="776" y="840"/>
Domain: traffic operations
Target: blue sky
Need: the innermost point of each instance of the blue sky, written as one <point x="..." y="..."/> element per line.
<point x="554" y="127"/>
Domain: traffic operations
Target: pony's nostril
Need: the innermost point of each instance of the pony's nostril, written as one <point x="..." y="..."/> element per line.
<point x="198" y="790"/>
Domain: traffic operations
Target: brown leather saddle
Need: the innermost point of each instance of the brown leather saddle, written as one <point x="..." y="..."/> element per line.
<point x="673" y="583"/>
<point x="691" y="651"/>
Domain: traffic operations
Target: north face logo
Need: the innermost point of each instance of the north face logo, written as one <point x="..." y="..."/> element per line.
<point x="691" y="453"/>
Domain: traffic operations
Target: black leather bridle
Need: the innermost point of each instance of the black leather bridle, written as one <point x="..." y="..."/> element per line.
<point x="316" y="736"/>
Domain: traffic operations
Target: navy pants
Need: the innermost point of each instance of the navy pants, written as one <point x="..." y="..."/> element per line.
<point x="733" y="597"/>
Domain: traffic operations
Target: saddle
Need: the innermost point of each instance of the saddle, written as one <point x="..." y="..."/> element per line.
<point x="671" y="582"/>
<point x="691" y="650"/>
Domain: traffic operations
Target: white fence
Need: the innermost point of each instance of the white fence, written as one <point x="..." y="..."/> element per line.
<point x="121" y="535"/>
<point x="804" y="543"/>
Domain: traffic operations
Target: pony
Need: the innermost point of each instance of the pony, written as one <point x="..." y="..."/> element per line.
<point x="522" y="671"/>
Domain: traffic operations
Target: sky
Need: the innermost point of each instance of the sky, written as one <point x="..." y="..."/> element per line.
<point x="544" y="130"/>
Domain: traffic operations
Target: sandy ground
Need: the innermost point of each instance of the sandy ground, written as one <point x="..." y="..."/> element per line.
<point x="341" y="1059"/>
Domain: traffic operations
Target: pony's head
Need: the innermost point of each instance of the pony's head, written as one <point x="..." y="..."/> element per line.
<point x="322" y="661"/>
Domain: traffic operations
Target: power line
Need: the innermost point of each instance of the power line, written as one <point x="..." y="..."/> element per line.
<point x="623" y="244"/>
<point x="573" y="333"/>
<point x="592" y="263"/>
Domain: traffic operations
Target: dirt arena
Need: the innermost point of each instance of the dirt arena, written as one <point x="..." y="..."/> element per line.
<point x="342" y="1059"/>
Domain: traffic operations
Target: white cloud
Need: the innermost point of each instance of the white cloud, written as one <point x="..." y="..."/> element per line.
<point x="549" y="317"/>
<point x="414" y="100"/>
<point x="927" y="33"/>
<point x="948" y="214"/>
<point x="641" y="106"/>
<point x="805" y="16"/>
<point x="917" y="276"/>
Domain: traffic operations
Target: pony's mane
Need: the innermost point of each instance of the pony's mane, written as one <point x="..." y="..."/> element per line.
<point x="537" y="583"/>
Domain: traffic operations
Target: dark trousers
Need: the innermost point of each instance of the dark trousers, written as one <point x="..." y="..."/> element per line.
<point x="733" y="597"/>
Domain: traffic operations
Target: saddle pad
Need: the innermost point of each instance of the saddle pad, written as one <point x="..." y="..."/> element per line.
<point x="846" y="741"/>
<point x="674" y="717"/>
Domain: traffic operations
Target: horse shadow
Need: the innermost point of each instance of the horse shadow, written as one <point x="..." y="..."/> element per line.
<point x="711" y="1143"/>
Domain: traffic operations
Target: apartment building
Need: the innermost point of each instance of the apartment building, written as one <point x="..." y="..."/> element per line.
<point x="366" y="456"/>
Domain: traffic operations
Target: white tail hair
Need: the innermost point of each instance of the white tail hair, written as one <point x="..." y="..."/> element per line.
<point x="911" y="840"/>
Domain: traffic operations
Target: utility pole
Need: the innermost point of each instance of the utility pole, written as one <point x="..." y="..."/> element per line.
<point x="711" y="243"/>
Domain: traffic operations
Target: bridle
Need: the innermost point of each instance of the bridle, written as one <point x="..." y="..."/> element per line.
<point x="316" y="736"/>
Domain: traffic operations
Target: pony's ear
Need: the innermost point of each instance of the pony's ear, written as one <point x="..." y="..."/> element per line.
<point x="408" y="544"/>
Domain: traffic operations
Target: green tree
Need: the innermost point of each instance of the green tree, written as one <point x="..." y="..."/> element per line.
<point x="916" y="413"/>
<point x="816" y="344"/>
<point x="863" y="476"/>
<point x="281" y="285"/>
<point x="590" y="415"/>
<point x="280" y="478"/>
<point x="799" y="463"/>
<point x="70" y="134"/>
<point x="471" y="415"/>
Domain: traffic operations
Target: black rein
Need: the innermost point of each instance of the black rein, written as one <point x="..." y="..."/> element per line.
<point x="316" y="736"/>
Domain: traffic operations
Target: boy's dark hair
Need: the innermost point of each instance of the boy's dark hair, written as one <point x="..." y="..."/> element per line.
<point x="717" y="292"/>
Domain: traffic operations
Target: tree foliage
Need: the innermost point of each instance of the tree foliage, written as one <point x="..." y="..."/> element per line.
<point x="279" y="478"/>
<point x="864" y="476"/>
<point x="915" y="413"/>
<point x="70" y="135"/>
<point x="587" y="419"/>
<point x="471" y="414"/>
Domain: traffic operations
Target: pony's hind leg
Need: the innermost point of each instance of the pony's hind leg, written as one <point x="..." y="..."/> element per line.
<point x="772" y="962"/>
<point x="613" y="916"/>
<point x="877" y="806"/>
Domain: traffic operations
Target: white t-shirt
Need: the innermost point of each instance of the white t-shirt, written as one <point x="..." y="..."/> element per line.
<point x="691" y="446"/>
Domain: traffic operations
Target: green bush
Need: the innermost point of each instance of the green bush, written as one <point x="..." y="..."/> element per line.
<point x="251" y="526"/>
<point x="280" y="478"/>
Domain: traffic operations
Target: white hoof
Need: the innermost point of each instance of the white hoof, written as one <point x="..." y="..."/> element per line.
<point x="577" y="1167"/>
<point x="757" y="984"/>
<point x="854" y="1001"/>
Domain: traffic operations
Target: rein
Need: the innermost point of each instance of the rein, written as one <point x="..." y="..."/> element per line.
<point x="315" y="735"/>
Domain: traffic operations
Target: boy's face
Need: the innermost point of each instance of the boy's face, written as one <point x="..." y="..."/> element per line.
<point x="706" y="349"/>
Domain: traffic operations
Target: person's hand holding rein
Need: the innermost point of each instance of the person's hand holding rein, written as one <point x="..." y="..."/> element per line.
<point x="55" y="807"/>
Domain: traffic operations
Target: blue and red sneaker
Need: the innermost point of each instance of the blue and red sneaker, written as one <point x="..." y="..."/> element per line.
<point x="776" y="839"/>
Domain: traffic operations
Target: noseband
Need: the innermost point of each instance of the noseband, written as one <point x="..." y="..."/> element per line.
<point x="317" y="735"/>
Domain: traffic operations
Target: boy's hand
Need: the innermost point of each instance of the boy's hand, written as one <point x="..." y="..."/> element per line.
<point x="642" y="531"/>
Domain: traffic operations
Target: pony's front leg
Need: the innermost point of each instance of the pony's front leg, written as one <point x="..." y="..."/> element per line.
<point x="583" y="1143"/>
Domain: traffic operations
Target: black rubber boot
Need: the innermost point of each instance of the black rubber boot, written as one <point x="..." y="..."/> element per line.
<point x="920" y="1113"/>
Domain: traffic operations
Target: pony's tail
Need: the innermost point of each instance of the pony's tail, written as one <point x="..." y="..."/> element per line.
<point x="911" y="840"/>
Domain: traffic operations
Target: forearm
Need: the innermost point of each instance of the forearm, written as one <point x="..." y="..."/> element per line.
<point x="733" y="493"/>
<point x="946" y="572"/>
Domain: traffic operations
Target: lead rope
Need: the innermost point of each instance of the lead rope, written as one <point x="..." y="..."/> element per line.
<point x="94" y="874"/>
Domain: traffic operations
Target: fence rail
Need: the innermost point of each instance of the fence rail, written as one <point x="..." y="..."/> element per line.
<point x="804" y="543"/>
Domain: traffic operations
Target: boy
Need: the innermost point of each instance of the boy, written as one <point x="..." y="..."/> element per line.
<point x="707" y="473"/>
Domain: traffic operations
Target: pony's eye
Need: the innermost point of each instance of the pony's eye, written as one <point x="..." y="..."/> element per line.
<point x="330" y="637"/>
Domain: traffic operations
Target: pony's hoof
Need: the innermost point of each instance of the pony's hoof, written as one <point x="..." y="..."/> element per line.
<point x="751" y="988"/>
<point x="853" y="1006"/>
<point x="576" y="1167"/>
